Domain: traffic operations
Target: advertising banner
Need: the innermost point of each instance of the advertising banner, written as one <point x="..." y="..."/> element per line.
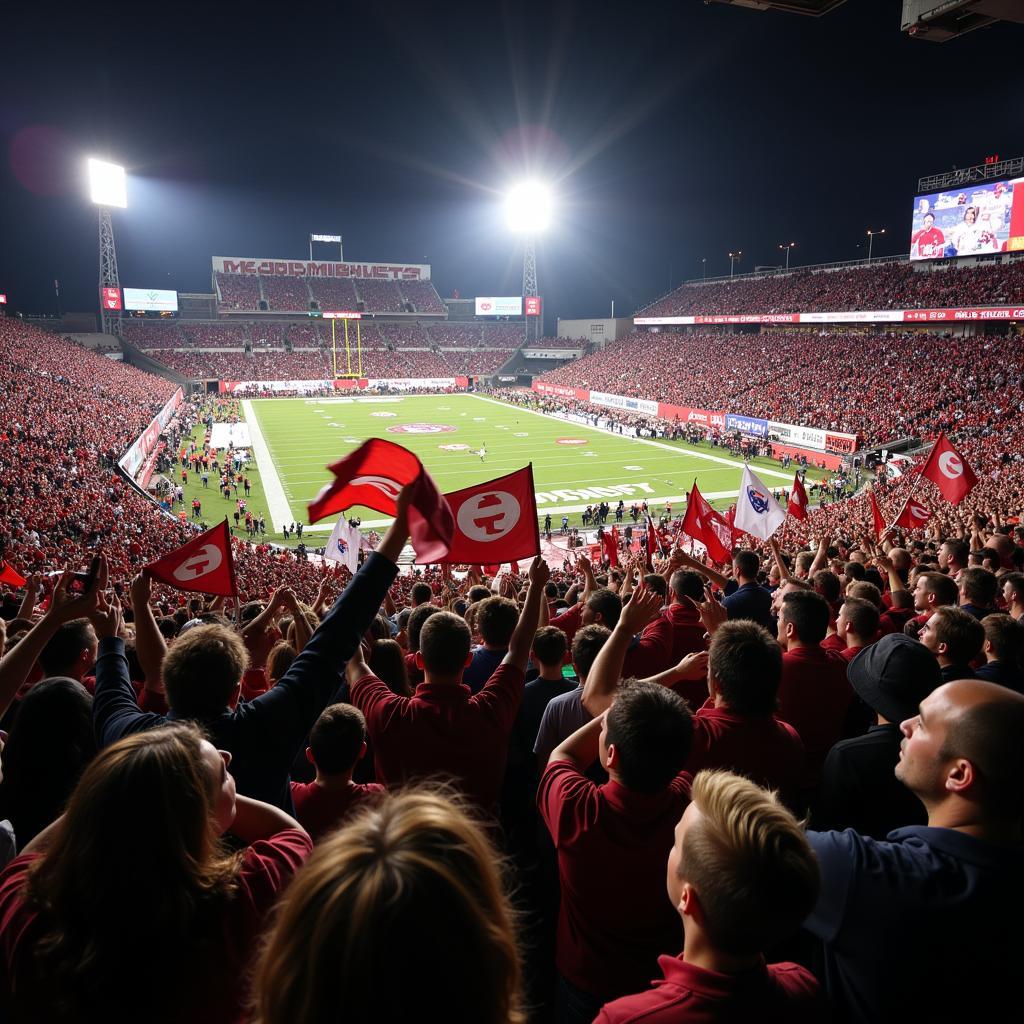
<point x="110" y="298"/>
<point x="850" y="316"/>
<point x="320" y="268"/>
<point x="146" y="441"/>
<point x="532" y="305"/>
<point x="746" y="425"/>
<point x="543" y="388"/>
<point x="621" y="402"/>
<point x="685" y="414"/>
<point x="492" y="305"/>
<point x="792" y="433"/>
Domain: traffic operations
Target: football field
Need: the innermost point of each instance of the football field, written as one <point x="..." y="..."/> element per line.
<point x="293" y="440"/>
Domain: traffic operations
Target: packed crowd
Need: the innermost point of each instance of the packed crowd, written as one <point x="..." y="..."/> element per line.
<point x="888" y="286"/>
<point x="778" y="375"/>
<point x="422" y="296"/>
<point x="258" y="365"/>
<point x="567" y="796"/>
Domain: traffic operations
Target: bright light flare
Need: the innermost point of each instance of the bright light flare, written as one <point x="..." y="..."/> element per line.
<point x="528" y="207"/>
<point x="107" y="184"/>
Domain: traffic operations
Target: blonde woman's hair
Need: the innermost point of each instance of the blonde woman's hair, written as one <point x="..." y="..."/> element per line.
<point x="400" y="915"/>
<point x="747" y="857"/>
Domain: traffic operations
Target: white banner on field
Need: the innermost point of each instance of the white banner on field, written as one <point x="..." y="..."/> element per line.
<point x="621" y="402"/>
<point x="407" y="383"/>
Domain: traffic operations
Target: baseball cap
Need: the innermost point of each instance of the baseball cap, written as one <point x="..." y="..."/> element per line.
<point x="894" y="675"/>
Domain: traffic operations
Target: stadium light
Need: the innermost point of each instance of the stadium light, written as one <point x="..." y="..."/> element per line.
<point x="107" y="184"/>
<point x="787" y="247"/>
<point x="871" y="239"/>
<point x="733" y="258"/>
<point x="528" y="207"/>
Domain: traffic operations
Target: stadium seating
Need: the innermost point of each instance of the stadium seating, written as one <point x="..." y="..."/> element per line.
<point x="422" y="296"/>
<point x="286" y="293"/>
<point x="380" y="296"/>
<point x="888" y="286"/>
<point x="334" y="293"/>
<point x="238" y="291"/>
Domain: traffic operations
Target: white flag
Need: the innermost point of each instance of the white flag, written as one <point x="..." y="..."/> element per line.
<point x="344" y="545"/>
<point x="757" y="512"/>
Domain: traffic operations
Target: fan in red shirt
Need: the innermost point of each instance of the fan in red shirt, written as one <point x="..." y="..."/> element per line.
<point x="337" y="742"/>
<point x="130" y="904"/>
<point x="443" y="730"/>
<point x="742" y="877"/>
<point x="928" y="243"/>
<point x="610" y="935"/>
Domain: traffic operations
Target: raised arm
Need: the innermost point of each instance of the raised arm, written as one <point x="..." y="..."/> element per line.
<point x="149" y="641"/>
<point x="526" y="628"/>
<point x="719" y="579"/>
<point x="784" y="573"/>
<point x="820" y="559"/>
<point x="605" y="673"/>
<point x="582" y="747"/>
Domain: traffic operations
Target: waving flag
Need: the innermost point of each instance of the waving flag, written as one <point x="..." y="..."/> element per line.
<point x="202" y="566"/>
<point x="493" y="522"/>
<point x="703" y="523"/>
<point x="948" y="471"/>
<point x="373" y="475"/>
<point x="757" y="512"/>
<point x="914" y="514"/>
<point x="797" y="507"/>
<point x="10" y="575"/>
<point x="876" y="515"/>
<point x="344" y="545"/>
<point x="609" y="542"/>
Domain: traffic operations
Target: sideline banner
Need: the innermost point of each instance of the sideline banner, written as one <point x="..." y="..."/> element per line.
<point x="146" y="441"/>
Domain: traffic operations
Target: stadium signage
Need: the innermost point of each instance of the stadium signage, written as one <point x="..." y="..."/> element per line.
<point x="850" y="316"/>
<point x="551" y="353"/>
<point x="147" y="440"/>
<point x="499" y="305"/>
<point x="683" y="413"/>
<point x="159" y="300"/>
<point x="320" y="268"/>
<point x="531" y="305"/>
<point x="111" y="298"/>
<point x="621" y="402"/>
<point x="746" y="425"/>
<point x="543" y="388"/>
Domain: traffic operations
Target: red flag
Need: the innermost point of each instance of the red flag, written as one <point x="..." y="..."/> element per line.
<point x="202" y="566"/>
<point x="611" y="549"/>
<point x="949" y="472"/>
<point x="703" y="523"/>
<point x="495" y="521"/>
<point x="914" y="514"/>
<point x="876" y="515"/>
<point x="373" y="475"/>
<point x="11" y="576"/>
<point x="797" y="507"/>
<point x="514" y="566"/>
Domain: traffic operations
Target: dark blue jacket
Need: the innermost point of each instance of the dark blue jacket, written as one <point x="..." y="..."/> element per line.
<point x="263" y="735"/>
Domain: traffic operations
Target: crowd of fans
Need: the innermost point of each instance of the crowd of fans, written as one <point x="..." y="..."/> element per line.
<point x="887" y="286"/>
<point x="422" y="296"/>
<point x="818" y="379"/>
<point x="568" y="794"/>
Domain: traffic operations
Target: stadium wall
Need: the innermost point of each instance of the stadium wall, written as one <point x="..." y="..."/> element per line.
<point x="960" y="314"/>
<point x="137" y="461"/>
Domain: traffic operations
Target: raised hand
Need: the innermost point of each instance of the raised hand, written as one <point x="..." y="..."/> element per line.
<point x="643" y="608"/>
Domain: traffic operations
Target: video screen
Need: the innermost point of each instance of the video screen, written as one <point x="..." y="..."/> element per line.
<point x="968" y="221"/>
<point x="157" y="300"/>
<point x="503" y="305"/>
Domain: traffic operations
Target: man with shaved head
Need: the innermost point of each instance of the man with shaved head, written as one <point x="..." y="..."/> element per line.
<point x="927" y="925"/>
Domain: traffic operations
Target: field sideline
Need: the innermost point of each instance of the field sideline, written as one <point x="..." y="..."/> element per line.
<point x="574" y="465"/>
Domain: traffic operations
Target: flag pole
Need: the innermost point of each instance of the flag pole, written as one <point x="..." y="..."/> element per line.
<point x="913" y="488"/>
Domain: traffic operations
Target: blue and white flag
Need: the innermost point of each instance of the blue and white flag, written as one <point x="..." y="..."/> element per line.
<point x="344" y="545"/>
<point x="757" y="512"/>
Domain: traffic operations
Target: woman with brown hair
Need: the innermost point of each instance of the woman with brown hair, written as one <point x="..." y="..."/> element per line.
<point x="398" y="916"/>
<point x="130" y="906"/>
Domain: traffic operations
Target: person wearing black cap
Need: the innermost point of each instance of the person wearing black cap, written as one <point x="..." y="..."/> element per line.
<point x="858" y="789"/>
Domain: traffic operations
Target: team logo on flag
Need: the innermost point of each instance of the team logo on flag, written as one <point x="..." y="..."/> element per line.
<point x="202" y="563"/>
<point x="758" y="500"/>
<point x="951" y="465"/>
<point x="488" y="516"/>
<point x="388" y="487"/>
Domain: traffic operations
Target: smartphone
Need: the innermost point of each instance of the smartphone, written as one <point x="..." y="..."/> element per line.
<point x="82" y="581"/>
<point x="568" y="672"/>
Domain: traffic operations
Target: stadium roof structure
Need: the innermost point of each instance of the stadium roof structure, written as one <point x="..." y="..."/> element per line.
<point x="815" y="8"/>
<point x="942" y="20"/>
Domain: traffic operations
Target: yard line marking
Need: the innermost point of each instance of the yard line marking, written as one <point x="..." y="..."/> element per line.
<point x="277" y="504"/>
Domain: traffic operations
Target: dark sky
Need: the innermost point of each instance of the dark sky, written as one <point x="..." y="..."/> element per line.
<point x="672" y="132"/>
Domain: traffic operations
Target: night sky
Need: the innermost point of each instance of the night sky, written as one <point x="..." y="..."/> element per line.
<point x="671" y="131"/>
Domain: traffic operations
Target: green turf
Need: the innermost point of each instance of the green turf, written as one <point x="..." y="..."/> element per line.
<point x="303" y="436"/>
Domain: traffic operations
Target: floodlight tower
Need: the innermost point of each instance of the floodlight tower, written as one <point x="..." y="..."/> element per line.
<point x="528" y="209"/>
<point x="107" y="190"/>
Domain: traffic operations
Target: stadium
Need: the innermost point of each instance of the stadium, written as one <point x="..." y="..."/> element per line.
<point x="390" y="618"/>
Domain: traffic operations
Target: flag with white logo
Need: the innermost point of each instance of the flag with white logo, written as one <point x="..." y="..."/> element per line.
<point x="495" y="522"/>
<point x="344" y="545"/>
<point x="914" y="514"/>
<point x="202" y="566"/>
<point x="757" y="511"/>
<point x="949" y="472"/>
